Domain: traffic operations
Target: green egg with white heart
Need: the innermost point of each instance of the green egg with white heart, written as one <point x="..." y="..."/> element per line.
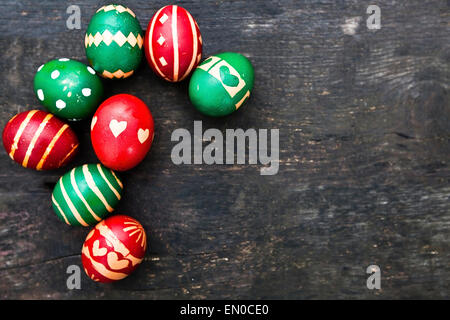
<point x="68" y="88"/>
<point x="221" y="84"/>
<point x="86" y="194"/>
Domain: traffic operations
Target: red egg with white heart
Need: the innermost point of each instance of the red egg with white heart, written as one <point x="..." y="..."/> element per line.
<point x="113" y="249"/>
<point x="122" y="132"/>
<point x="38" y="140"/>
<point x="173" y="43"/>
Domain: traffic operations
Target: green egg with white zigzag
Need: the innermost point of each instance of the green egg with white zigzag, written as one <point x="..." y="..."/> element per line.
<point x="114" y="41"/>
<point x="86" y="195"/>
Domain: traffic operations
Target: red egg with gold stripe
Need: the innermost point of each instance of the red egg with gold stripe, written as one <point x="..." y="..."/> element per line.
<point x="38" y="140"/>
<point x="173" y="43"/>
<point x="113" y="249"/>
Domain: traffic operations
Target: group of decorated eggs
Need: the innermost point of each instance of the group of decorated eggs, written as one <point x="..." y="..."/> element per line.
<point x="122" y="128"/>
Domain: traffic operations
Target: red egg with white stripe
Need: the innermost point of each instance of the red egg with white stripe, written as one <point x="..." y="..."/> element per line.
<point x="113" y="249"/>
<point x="122" y="132"/>
<point x="173" y="43"/>
<point x="38" y="140"/>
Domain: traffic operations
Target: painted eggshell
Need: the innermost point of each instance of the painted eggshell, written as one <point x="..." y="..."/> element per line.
<point x="173" y="43"/>
<point x="221" y="84"/>
<point x="122" y="132"/>
<point x="68" y="88"/>
<point x="86" y="194"/>
<point x="113" y="249"/>
<point x="38" y="140"/>
<point x="113" y="42"/>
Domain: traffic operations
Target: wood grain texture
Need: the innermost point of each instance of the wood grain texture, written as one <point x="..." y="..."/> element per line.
<point x="364" y="124"/>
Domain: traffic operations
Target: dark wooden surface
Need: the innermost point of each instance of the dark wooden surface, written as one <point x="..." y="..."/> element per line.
<point x="364" y="124"/>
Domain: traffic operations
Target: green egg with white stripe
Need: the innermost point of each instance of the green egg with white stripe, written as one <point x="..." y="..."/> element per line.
<point x="86" y="195"/>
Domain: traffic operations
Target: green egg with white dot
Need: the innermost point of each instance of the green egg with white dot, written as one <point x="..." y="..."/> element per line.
<point x="68" y="88"/>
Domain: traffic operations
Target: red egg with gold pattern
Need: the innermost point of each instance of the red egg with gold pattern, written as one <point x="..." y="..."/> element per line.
<point x="122" y="132"/>
<point x="173" y="43"/>
<point x="38" y="140"/>
<point x="113" y="249"/>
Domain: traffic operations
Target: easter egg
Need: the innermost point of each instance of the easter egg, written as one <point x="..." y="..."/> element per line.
<point x="38" y="140"/>
<point x="114" y="41"/>
<point x="68" y="88"/>
<point x="221" y="84"/>
<point x="173" y="43"/>
<point x="113" y="249"/>
<point x="122" y="131"/>
<point x="86" y="194"/>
